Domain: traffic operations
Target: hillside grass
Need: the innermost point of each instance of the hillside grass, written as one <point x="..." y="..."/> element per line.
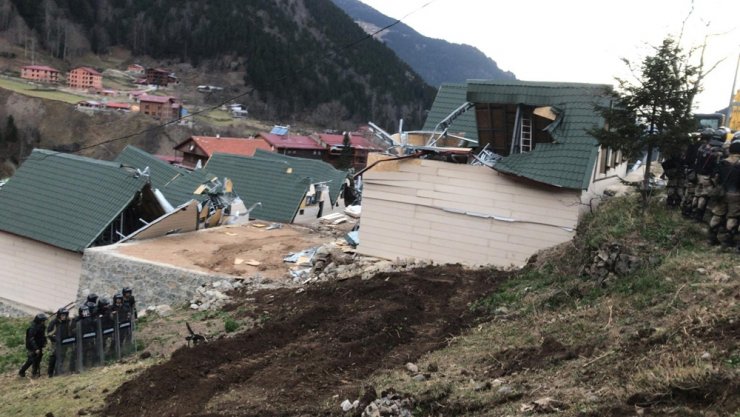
<point x="48" y="94"/>
<point x="663" y="337"/>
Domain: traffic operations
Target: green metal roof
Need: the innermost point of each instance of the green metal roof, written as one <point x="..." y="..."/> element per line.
<point x="176" y="184"/>
<point x="65" y="200"/>
<point x="567" y="162"/>
<point x="315" y="170"/>
<point x="449" y="98"/>
<point x="272" y="182"/>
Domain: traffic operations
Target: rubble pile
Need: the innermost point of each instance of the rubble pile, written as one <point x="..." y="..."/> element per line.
<point x="212" y="296"/>
<point x="337" y="261"/>
<point x="390" y="404"/>
<point x="613" y="260"/>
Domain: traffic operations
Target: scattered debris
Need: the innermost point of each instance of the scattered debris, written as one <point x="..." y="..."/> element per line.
<point x="613" y="260"/>
<point x="213" y="298"/>
<point x="274" y="226"/>
<point x="353" y="211"/>
<point x="390" y="404"/>
<point x="193" y="337"/>
<point x="544" y="405"/>
<point x="347" y="405"/>
<point x="334" y="218"/>
<point x="238" y="261"/>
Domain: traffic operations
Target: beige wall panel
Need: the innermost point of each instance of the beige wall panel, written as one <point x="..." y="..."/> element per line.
<point x="184" y="220"/>
<point x="36" y="274"/>
<point x="373" y="175"/>
<point x="369" y="193"/>
<point x="416" y="185"/>
<point x="414" y="215"/>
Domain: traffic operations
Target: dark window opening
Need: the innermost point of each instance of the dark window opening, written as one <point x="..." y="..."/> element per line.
<point x="508" y="128"/>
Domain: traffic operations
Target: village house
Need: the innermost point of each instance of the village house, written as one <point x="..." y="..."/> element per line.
<point x="85" y="78"/>
<point x="53" y="208"/>
<point x="135" y="69"/>
<point x="160" y="107"/>
<point x="40" y="73"/>
<point x="284" y="143"/>
<point x="198" y="149"/>
<point x="160" y="77"/>
<point x="360" y="145"/>
<point x="545" y="171"/>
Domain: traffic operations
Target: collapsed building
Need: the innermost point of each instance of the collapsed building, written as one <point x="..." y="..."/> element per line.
<point x="506" y="173"/>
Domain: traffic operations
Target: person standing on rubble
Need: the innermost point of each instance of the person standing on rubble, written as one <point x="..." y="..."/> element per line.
<point x="60" y="326"/>
<point x="323" y="191"/>
<point x="35" y="342"/>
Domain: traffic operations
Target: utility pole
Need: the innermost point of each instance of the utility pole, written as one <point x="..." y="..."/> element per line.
<point x="732" y="92"/>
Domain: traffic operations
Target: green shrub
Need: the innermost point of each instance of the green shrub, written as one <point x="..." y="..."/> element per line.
<point x="230" y="325"/>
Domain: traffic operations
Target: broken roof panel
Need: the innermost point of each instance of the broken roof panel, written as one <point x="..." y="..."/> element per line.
<point x="569" y="161"/>
<point x="66" y="200"/>
<point x="449" y="98"/>
<point x="315" y="170"/>
<point x="177" y="184"/>
<point x="272" y="182"/>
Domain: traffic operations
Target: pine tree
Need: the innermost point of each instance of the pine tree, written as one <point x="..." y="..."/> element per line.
<point x="345" y="158"/>
<point x="655" y="111"/>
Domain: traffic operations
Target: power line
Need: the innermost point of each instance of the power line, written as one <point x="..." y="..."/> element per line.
<point x="230" y="99"/>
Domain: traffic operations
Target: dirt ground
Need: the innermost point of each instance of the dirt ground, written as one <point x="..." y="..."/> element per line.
<point x="313" y="348"/>
<point x="230" y="249"/>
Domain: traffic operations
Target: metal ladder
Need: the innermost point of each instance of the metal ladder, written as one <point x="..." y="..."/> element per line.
<point x="525" y="139"/>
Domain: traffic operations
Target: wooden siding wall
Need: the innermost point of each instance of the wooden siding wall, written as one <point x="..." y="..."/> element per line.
<point x="404" y="216"/>
<point x="184" y="219"/>
<point x="37" y="275"/>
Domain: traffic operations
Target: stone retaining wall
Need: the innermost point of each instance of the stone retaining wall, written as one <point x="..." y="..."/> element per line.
<point x="8" y="310"/>
<point x="106" y="272"/>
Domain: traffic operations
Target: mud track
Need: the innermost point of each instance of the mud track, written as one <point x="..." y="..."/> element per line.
<point x="314" y="349"/>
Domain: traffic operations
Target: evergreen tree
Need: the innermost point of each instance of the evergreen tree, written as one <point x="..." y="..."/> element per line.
<point x="11" y="131"/>
<point x="655" y="111"/>
<point x="345" y="158"/>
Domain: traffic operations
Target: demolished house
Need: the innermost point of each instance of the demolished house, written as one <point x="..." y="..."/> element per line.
<point x="53" y="208"/>
<point x="280" y="183"/>
<point x="535" y="170"/>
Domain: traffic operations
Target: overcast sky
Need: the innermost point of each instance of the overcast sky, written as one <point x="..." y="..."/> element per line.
<point x="581" y="40"/>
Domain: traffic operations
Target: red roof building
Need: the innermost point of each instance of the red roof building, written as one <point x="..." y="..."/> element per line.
<point x="292" y="145"/>
<point x="361" y="147"/>
<point x="200" y="148"/>
<point x="40" y="73"/>
<point x="160" y="77"/>
<point x="160" y="107"/>
<point x="85" y="78"/>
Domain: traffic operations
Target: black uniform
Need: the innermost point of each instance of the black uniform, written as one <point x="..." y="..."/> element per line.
<point x="35" y="342"/>
<point x="58" y="326"/>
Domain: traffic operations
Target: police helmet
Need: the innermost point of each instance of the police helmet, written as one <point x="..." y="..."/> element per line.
<point x="735" y="144"/>
<point x="103" y="302"/>
<point x="118" y="298"/>
<point x="62" y="312"/>
<point x="92" y="297"/>
<point x="41" y="317"/>
<point x="706" y="134"/>
<point x="126" y="291"/>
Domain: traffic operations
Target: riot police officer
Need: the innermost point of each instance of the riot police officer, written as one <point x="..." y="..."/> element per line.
<point x="129" y="300"/>
<point x="60" y="326"/>
<point x="690" y="179"/>
<point x="707" y="160"/>
<point x="673" y="169"/>
<point x="729" y="174"/>
<point x="35" y="342"/>
<point x="92" y="304"/>
<point x="87" y="324"/>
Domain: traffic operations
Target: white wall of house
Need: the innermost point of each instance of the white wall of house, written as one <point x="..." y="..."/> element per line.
<point x="37" y="276"/>
<point x="441" y="211"/>
<point x="610" y="166"/>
